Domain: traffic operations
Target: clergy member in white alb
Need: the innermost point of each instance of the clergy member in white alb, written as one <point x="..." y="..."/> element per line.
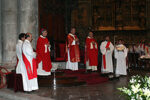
<point x="107" y="48"/>
<point x="142" y="47"/>
<point x="19" y="53"/>
<point x="30" y="71"/>
<point x="120" y="55"/>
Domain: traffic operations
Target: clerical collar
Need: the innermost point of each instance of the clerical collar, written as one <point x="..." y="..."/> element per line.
<point x="106" y="41"/>
<point x="90" y="37"/>
<point x="42" y="36"/>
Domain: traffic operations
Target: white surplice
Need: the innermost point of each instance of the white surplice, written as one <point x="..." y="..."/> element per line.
<point x="141" y="47"/>
<point x="88" y="67"/>
<point x="108" y="56"/>
<point x="121" y="67"/>
<point x="19" y="56"/>
<point x="32" y="84"/>
<point x="40" y="70"/>
<point x="71" y="65"/>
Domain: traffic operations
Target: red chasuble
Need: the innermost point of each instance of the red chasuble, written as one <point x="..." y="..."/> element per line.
<point x="91" y="52"/>
<point x="42" y="55"/>
<point x="73" y="49"/>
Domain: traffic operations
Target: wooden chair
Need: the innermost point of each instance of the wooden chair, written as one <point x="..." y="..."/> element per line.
<point x="59" y="51"/>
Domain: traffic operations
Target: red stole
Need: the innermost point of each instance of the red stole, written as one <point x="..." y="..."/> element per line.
<point x="143" y="46"/>
<point x="104" y="58"/>
<point x="147" y="50"/>
<point x="31" y="74"/>
<point x="73" y="49"/>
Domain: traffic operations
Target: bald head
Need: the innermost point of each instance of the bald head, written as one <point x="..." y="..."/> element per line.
<point x="107" y="38"/>
<point x="73" y="31"/>
<point x="91" y="34"/>
<point x="120" y="41"/>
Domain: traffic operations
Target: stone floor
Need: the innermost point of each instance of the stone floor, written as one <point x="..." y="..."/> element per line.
<point x="103" y="91"/>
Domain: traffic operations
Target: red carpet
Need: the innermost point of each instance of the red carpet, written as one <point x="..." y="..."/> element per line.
<point x="89" y="78"/>
<point x="75" y="72"/>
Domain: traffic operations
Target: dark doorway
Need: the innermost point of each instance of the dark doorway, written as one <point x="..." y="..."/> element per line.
<point x="52" y="17"/>
<point x="55" y="16"/>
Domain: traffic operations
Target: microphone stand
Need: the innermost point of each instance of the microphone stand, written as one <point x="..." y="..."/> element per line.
<point x="114" y="63"/>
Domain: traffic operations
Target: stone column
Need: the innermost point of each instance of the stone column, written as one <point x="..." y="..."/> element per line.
<point x="0" y="35"/>
<point x="9" y="30"/>
<point x="28" y="18"/>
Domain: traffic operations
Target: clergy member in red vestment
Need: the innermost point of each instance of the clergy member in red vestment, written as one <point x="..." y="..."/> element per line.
<point x="72" y="50"/>
<point x="91" y="53"/>
<point x="43" y="54"/>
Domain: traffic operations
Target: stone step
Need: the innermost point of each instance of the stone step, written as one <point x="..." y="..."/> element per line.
<point x="58" y="81"/>
<point x="62" y="83"/>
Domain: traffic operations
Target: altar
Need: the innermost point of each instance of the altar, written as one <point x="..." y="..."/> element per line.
<point x="145" y="61"/>
<point x="58" y="65"/>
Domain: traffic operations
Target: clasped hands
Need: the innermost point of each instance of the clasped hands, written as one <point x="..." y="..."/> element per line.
<point x="108" y="48"/>
<point x="93" y="43"/>
<point x="48" y="44"/>
<point x="77" y="41"/>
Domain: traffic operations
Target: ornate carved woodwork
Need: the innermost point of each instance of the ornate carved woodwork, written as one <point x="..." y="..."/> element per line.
<point x="119" y="14"/>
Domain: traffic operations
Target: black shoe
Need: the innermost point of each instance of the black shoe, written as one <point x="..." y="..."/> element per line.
<point x="88" y="71"/>
<point x="104" y="75"/>
<point x="111" y="77"/>
<point x="27" y="92"/>
<point x="117" y="78"/>
<point x="95" y="71"/>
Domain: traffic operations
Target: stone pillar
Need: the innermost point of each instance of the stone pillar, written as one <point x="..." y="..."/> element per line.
<point x="9" y="30"/>
<point x="0" y="35"/>
<point x="28" y="18"/>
